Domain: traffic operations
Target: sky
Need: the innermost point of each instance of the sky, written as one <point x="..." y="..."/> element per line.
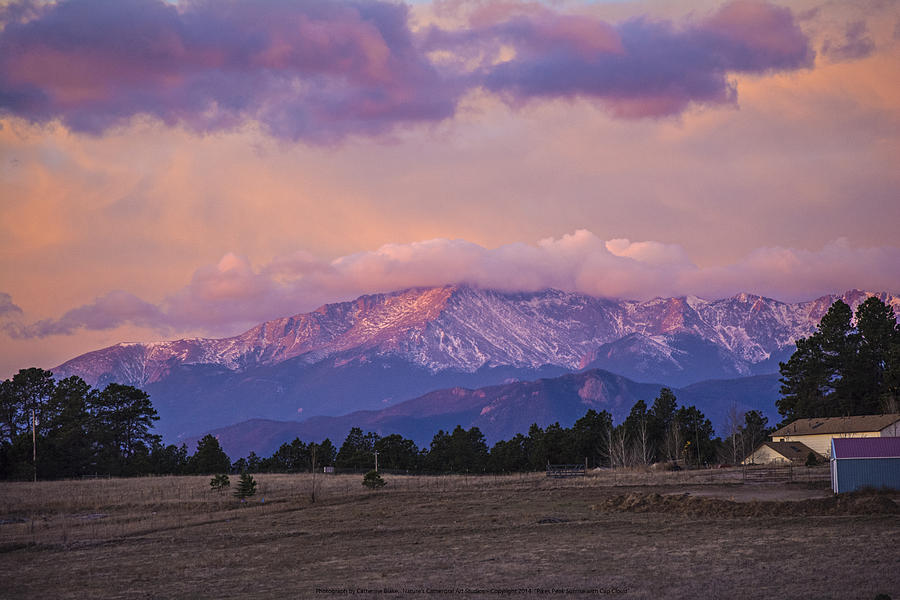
<point x="192" y="168"/>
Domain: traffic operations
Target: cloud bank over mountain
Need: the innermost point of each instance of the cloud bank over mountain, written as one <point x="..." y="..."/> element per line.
<point x="224" y="297"/>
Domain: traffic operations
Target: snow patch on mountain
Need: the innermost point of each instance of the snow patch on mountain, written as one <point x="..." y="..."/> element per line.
<point x="465" y="329"/>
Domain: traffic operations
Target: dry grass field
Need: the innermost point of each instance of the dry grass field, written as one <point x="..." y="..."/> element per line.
<point x="634" y="535"/>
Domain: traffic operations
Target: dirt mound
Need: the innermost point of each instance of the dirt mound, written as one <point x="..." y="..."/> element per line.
<point x="553" y="520"/>
<point x="685" y="504"/>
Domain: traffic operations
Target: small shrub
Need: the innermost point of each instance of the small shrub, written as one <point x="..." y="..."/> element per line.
<point x="373" y="480"/>
<point x="246" y="486"/>
<point x="220" y="482"/>
<point x="811" y="459"/>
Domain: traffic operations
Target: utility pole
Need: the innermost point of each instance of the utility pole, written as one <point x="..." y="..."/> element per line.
<point x="376" y="461"/>
<point x="33" y="445"/>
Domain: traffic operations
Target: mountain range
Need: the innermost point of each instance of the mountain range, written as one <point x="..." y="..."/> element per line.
<point x="502" y="411"/>
<point x="382" y="349"/>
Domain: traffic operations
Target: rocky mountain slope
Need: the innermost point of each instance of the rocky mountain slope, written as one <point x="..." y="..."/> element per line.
<point x="465" y="329"/>
<point x="384" y="348"/>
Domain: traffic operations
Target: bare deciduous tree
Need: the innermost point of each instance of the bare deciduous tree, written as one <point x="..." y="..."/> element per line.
<point x="643" y="448"/>
<point x="733" y="421"/>
<point x="618" y="448"/>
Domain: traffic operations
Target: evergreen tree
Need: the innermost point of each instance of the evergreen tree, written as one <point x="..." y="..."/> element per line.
<point x="510" y="456"/>
<point x="357" y="451"/>
<point x="559" y="445"/>
<point x="877" y="352"/>
<point x="169" y="460"/>
<point x="219" y="482"/>
<point x="696" y="433"/>
<point x="122" y="417"/>
<point x="251" y="464"/>
<point x="844" y="368"/>
<point x="28" y="410"/>
<point x="438" y="456"/>
<point x="290" y="457"/>
<point x="537" y="450"/>
<point x="9" y="412"/>
<point x="397" y="452"/>
<point x="32" y="390"/>
<point x="890" y="393"/>
<point x="373" y="480"/>
<point x="246" y="486"/>
<point x="661" y="420"/>
<point x="67" y="444"/>
<point x="804" y="382"/>
<point x="326" y="453"/>
<point x="459" y="452"/>
<point x="755" y="430"/>
<point x="209" y="457"/>
<point x="589" y="433"/>
<point x="76" y="429"/>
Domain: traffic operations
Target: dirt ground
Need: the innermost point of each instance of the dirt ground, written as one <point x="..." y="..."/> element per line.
<point x="643" y="536"/>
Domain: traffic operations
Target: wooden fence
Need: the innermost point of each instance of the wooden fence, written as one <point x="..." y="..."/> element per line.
<point x="768" y="474"/>
<point x="560" y="471"/>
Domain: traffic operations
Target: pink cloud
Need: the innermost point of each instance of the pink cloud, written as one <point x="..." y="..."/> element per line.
<point x="109" y="311"/>
<point x="758" y="36"/>
<point x="320" y="70"/>
<point x="316" y="70"/>
<point x="8" y="309"/>
<point x="641" y="67"/>
<point x="232" y="294"/>
<point x="857" y="44"/>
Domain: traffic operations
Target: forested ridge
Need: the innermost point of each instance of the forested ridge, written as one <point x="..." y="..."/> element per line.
<point x="53" y="429"/>
<point x="61" y="429"/>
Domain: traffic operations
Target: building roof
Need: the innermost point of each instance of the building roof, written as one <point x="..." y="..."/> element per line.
<point x="838" y="425"/>
<point x="875" y="447"/>
<point x="793" y="451"/>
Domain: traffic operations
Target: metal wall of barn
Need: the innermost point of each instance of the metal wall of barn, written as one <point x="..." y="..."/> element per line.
<point x="849" y="474"/>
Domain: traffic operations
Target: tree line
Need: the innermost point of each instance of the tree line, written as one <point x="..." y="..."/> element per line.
<point x="663" y="432"/>
<point x="53" y="429"/>
<point x="849" y="366"/>
<point x="62" y="429"/>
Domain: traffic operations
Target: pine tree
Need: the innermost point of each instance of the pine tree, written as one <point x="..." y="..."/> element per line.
<point x="397" y="452"/>
<point x="220" y="482"/>
<point x="589" y="432"/>
<point x="209" y="457"/>
<point x="373" y="480"/>
<point x="662" y="417"/>
<point x="246" y="487"/>
<point x="804" y="382"/>
<point x="357" y="451"/>
<point x="879" y="343"/>
<point x="844" y="368"/>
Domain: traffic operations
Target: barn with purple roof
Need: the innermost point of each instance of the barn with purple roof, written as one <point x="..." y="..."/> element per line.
<point x="865" y="462"/>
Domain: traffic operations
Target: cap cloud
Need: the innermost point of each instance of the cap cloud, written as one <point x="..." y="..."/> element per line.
<point x="232" y="294"/>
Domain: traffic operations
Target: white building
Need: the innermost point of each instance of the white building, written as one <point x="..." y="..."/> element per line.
<point x="784" y="453"/>
<point x="818" y="433"/>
